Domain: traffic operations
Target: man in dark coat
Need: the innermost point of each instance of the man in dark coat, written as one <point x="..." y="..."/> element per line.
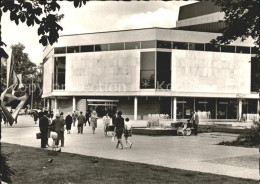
<point x="81" y="121"/>
<point x="87" y="118"/>
<point x="44" y="124"/>
<point x="68" y="121"/>
<point x="58" y="126"/>
<point x="120" y="124"/>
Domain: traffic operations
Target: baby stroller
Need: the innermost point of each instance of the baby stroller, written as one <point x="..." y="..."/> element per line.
<point x="109" y="128"/>
<point x="185" y="129"/>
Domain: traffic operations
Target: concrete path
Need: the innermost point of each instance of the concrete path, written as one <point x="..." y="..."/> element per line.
<point x="195" y="153"/>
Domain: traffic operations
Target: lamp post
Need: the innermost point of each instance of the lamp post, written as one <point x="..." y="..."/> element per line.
<point x="32" y="93"/>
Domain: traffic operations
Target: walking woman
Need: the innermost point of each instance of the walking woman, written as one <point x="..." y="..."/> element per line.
<point x="93" y="118"/>
<point x="128" y="132"/>
<point x="119" y="129"/>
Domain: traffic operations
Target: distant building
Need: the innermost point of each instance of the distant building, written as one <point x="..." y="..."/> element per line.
<point x="154" y="70"/>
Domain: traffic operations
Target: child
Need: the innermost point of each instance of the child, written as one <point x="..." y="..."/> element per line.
<point x="128" y="132"/>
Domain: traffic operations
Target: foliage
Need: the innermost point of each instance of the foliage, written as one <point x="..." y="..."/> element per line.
<point x="242" y="21"/>
<point x="41" y="13"/>
<point x="249" y="138"/>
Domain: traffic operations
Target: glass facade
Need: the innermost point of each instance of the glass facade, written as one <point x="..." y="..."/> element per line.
<point x="148" y="44"/>
<point x="164" y="44"/>
<point x="60" y="50"/>
<point x="132" y="45"/>
<point x="212" y="47"/>
<point x="255" y="75"/>
<point x="196" y="46"/>
<point x="116" y="46"/>
<point x="180" y="45"/>
<point x="163" y="69"/>
<point x="147" y="70"/>
<point x="59" y="73"/>
<point x="73" y="49"/>
<point x="87" y="48"/>
<point x="102" y="47"/>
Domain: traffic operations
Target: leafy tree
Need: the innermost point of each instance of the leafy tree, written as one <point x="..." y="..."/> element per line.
<point x="242" y="21"/>
<point x="37" y="12"/>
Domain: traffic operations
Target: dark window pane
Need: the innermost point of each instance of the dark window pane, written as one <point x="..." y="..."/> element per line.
<point x="103" y="47"/>
<point x="59" y="73"/>
<point x="147" y="60"/>
<point x="148" y="44"/>
<point x="163" y="70"/>
<point x="212" y="47"/>
<point x="60" y="50"/>
<point x="227" y="48"/>
<point x="180" y="45"/>
<point x="132" y="45"/>
<point x="255" y="74"/>
<point x="245" y="50"/>
<point x="147" y="80"/>
<point x="87" y="48"/>
<point x="73" y="49"/>
<point x="116" y="46"/>
<point x="196" y="46"/>
<point x="163" y="44"/>
<point x="254" y="50"/>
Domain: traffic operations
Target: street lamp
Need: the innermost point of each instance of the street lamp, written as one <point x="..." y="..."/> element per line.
<point x="32" y="92"/>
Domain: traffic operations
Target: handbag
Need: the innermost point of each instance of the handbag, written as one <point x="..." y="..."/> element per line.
<point x="38" y="135"/>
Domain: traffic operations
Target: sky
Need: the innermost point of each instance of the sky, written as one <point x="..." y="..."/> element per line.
<point x="95" y="16"/>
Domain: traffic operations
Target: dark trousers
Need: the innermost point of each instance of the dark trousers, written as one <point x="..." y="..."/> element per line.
<point x="60" y="137"/>
<point x="195" y="126"/>
<point x="80" y="128"/>
<point x="44" y="139"/>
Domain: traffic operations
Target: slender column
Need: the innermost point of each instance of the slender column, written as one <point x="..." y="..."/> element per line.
<point x="135" y="108"/>
<point x="216" y="111"/>
<point x="174" y="108"/>
<point x="55" y="105"/>
<point x="239" y="109"/>
<point x="73" y="103"/>
<point x="44" y="103"/>
<point x="171" y="109"/>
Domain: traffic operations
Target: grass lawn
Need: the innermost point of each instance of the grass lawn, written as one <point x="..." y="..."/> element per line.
<point x="29" y="165"/>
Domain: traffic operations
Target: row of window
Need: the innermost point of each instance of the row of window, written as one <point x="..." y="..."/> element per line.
<point x="155" y="44"/>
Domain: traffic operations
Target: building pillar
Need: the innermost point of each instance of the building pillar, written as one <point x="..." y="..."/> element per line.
<point x="48" y="103"/>
<point x="174" y="108"/>
<point x="55" y="105"/>
<point x="135" y="107"/>
<point x="239" y="109"/>
<point x="171" y="109"/>
<point x="73" y="103"/>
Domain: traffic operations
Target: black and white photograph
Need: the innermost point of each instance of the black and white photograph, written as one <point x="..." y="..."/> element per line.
<point x="118" y="92"/>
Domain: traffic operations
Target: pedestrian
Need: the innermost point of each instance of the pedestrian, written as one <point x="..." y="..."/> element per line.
<point x="87" y="118"/>
<point x="41" y="114"/>
<point x="195" y="122"/>
<point x="62" y="129"/>
<point x="81" y="121"/>
<point x="57" y="124"/>
<point x="74" y="117"/>
<point x="114" y="123"/>
<point x="119" y="123"/>
<point x="35" y="116"/>
<point x="68" y="121"/>
<point x="93" y="118"/>
<point x="106" y="122"/>
<point x="43" y="125"/>
<point x="128" y="132"/>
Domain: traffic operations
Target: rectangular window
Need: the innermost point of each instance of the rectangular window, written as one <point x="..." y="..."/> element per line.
<point x="116" y="46"/>
<point x="147" y="73"/>
<point x="87" y="48"/>
<point x="60" y="50"/>
<point x="132" y="45"/>
<point x="254" y="50"/>
<point x="244" y="50"/>
<point x="148" y="44"/>
<point x="164" y="44"/>
<point x="255" y="74"/>
<point x="163" y="70"/>
<point x="180" y="45"/>
<point x="196" y="46"/>
<point x="228" y="48"/>
<point x="212" y="47"/>
<point x="102" y="47"/>
<point x="73" y="49"/>
<point x="59" y="73"/>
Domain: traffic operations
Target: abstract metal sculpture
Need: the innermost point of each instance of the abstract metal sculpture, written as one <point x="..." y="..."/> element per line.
<point x="13" y="85"/>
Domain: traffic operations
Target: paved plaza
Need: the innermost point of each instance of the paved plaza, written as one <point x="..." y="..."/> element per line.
<point x="195" y="153"/>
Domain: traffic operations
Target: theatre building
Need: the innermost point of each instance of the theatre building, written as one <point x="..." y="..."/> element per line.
<point x="155" y="70"/>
